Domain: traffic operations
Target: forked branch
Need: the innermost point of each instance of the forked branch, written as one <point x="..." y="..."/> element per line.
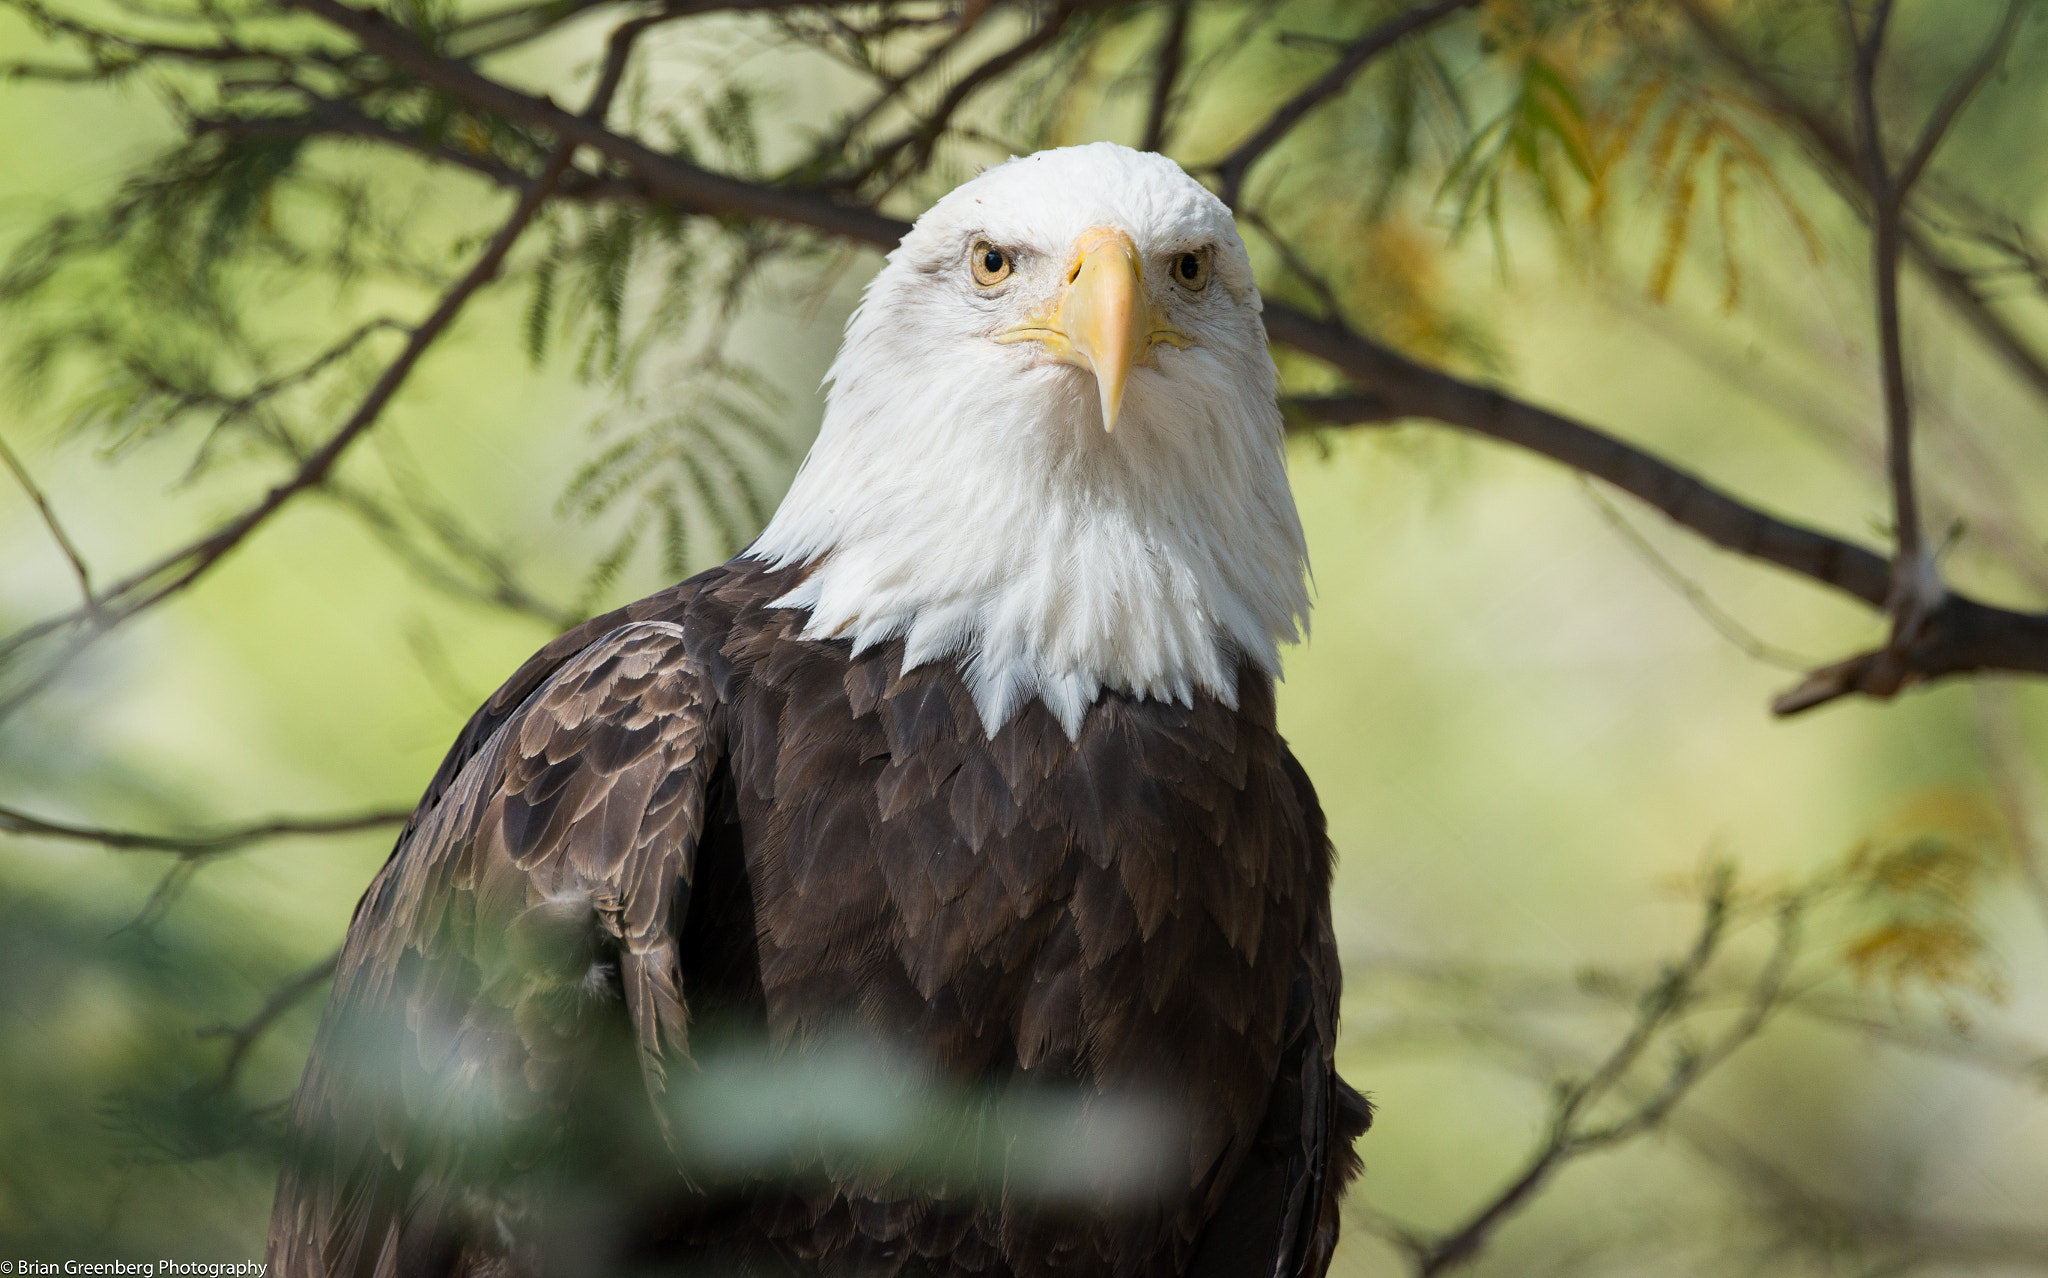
<point x="1571" y="1130"/>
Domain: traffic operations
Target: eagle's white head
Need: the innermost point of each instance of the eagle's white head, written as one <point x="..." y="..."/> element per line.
<point x="1051" y="449"/>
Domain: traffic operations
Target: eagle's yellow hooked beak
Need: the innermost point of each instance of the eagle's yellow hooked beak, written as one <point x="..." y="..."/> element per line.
<point x="1101" y="320"/>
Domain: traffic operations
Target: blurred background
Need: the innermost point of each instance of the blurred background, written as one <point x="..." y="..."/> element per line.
<point x="1538" y="713"/>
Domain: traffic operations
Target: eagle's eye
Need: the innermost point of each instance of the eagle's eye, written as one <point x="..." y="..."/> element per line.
<point x="1191" y="269"/>
<point x="991" y="265"/>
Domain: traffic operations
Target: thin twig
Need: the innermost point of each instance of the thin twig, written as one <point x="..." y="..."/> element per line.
<point x="244" y="1036"/>
<point x="1723" y="622"/>
<point x="50" y="521"/>
<point x="893" y="87"/>
<point x="1952" y="103"/>
<point x="2014" y="776"/>
<point x="1233" y="167"/>
<point x="920" y="139"/>
<point x="1332" y="309"/>
<point x="1837" y="1223"/>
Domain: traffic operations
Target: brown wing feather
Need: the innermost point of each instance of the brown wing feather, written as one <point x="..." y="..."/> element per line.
<point x="555" y="849"/>
<point x="1279" y="1218"/>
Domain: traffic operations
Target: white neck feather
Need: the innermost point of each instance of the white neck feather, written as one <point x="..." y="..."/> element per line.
<point x="1048" y="558"/>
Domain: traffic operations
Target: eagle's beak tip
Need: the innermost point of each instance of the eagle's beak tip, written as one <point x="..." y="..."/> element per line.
<point x="1105" y="314"/>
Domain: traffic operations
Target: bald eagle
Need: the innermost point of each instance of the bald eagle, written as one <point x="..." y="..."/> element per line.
<point x="972" y="752"/>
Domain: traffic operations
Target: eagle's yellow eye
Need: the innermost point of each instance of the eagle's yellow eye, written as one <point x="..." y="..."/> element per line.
<point x="991" y="265"/>
<point x="1191" y="269"/>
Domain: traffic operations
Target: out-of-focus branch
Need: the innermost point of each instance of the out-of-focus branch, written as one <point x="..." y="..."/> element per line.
<point x="49" y="517"/>
<point x="212" y="843"/>
<point x="919" y="139"/>
<point x="1165" y="72"/>
<point x="1720" y="619"/>
<point x="1232" y="169"/>
<point x="1831" y="145"/>
<point x="244" y="1036"/>
<point x="1833" y="1222"/>
<point x="1959" y="94"/>
<point x="1570" y="1132"/>
<point x="2015" y="778"/>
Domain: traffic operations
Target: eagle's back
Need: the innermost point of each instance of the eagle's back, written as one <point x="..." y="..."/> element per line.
<point x="1137" y="914"/>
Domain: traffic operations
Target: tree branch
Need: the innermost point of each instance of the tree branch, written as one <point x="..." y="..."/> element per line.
<point x="1402" y="388"/>
<point x="1568" y="1137"/>
<point x="243" y="1037"/>
<point x="49" y="517"/>
<point x="2013" y="776"/>
<point x="1916" y="582"/>
<point x="1232" y="169"/>
<point x="1952" y="103"/>
<point x="215" y="843"/>
<point x="1165" y="71"/>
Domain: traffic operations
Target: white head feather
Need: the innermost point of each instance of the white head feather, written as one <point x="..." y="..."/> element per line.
<point x="964" y="495"/>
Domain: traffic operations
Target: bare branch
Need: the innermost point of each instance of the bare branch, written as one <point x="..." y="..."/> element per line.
<point x="1233" y="168"/>
<point x="920" y="139"/>
<point x="1569" y="1137"/>
<point x="49" y="517"/>
<point x="1916" y="585"/>
<point x="214" y="843"/>
<point x="1952" y="103"/>
<point x="244" y="1036"/>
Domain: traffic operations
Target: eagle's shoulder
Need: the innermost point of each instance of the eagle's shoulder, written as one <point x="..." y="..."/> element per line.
<point x="702" y="609"/>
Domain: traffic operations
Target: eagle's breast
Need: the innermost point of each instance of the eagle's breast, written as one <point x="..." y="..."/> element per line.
<point x="1119" y="913"/>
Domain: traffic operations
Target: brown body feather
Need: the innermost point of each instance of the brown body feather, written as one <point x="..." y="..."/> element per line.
<point x="682" y="813"/>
